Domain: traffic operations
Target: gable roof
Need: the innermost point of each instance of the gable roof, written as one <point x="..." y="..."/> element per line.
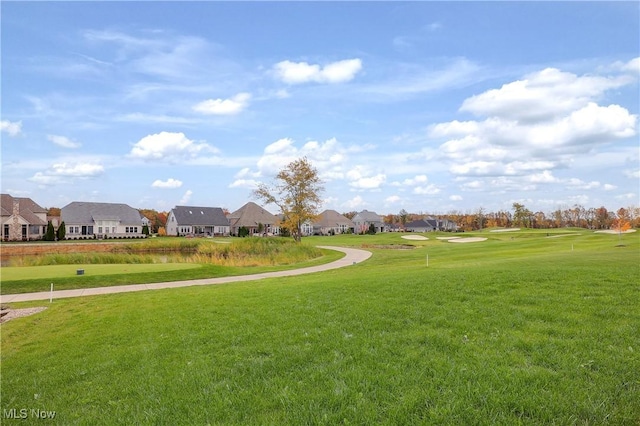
<point x="28" y="209"/>
<point x="251" y="215"/>
<point x="420" y="223"/>
<point x="331" y="218"/>
<point x="367" y="216"/>
<point x="85" y="212"/>
<point x="202" y="216"/>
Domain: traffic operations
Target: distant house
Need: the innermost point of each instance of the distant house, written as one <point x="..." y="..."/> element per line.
<point x="442" y="224"/>
<point x="101" y="220"/>
<point x="363" y="221"/>
<point x="190" y="220"/>
<point x="22" y="219"/>
<point x="255" y="219"/>
<point x="327" y="223"/>
<point x="420" y="225"/>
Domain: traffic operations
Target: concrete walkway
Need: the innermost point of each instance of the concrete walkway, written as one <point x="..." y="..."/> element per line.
<point x="352" y="257"/>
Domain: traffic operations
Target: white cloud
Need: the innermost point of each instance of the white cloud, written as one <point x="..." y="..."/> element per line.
<point x="416" y="180"/>
<point x="426" y="190"/>
<point x="534" y="126"/>
<point x="455" y="198"/>
<point x="234" y="105"/>
<point x="167" y="146"/>
<point x="393" y="199"/>
<point x="634" y="174"/>
<point x="302" y="72"/>
<point x="543" y="95"/>
<point x="632" y="66"/>
<point x="63" y="141"/>
<point x="328" y="157"/>
<point x="186" y="197"/>
<point x="67" y="172"/>
<point x="360" y="177"/>
<point x="356" y="203"/>
<point x="168" y="184"/>
<point x="12" y="128"/>
<point x="244" y="183"/>
<point x="78" y="169"/>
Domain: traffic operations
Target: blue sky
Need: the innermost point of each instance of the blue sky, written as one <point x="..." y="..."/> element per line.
<point x="424" y="106"/>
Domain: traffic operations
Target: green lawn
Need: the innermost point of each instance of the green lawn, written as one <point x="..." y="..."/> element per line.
<point x="56" y="272"/>
<point x="21" y="279"/>
<point x="519" y="329"/>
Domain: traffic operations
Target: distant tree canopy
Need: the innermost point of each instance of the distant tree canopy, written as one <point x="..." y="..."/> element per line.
<point x="156" y="219"/>
<point x="296" y="192"/>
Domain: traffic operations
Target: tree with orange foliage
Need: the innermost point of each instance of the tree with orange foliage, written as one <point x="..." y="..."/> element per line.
<point x="621" y="223"/>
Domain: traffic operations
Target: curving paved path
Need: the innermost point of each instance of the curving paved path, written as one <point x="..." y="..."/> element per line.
<point x="352" y="257"/>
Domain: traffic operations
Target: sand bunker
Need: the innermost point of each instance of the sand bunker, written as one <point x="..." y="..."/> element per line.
<point x="415" y="237"/>
<point x="505" y="230"/>
<point x="467" y="240"/>
<point x="446" y="238"/>
<point x="613" y="231"/>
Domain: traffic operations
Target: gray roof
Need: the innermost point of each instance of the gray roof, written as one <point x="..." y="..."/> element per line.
<point x="331" y="218"/>
<point x="250" y="215"/>
<point x="367" y="216"/>
<point x="200" y="216"/>
<point x="86" y="213"/>
<point x="28" y="208"/>
<point x="420" y="223"/>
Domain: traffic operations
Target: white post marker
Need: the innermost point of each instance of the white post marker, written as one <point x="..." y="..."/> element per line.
<point x="51" y="294"/>
<point x="427" y="260"/>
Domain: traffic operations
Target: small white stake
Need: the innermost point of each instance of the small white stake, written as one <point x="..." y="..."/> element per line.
<point x="427" y="260"/>
<point x="51" y="294"/>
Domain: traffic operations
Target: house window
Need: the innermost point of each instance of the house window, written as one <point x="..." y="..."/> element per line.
<point x="99" y="229"/>
<point x="6" y="231"/>
<point x="113" y="229"/>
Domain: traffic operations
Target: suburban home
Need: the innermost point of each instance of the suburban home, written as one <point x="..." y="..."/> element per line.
<point x="22" y="219"/>
<point x="255" y="219"/>
<point x="197" y="221"/>
<point x="101" y="220"/>
<point x="420" y="225"/>
<point x="329" y="222"/>
<point x="363" y="221"/>
<point x="442" y="224"/>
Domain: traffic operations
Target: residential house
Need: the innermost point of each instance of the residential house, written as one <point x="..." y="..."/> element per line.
<point x="328" y="222"/>
<point x="442" y="224"/>
<point x="101" y="220"/>
<point x="255" y="219"/>
<point x="363" y="221"/>
<point x="197" y="221"/>
<point x="22" y="219"/>
<point x="420" y="225"/>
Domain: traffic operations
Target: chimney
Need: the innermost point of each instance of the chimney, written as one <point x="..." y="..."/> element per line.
<point x="16" y="207"/>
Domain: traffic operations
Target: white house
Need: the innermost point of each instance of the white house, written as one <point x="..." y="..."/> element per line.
<point x="101" y="220"/>
<point x="203" y="221"/>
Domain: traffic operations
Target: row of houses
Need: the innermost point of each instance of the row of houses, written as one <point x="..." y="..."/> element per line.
<point x="22" y="220"/>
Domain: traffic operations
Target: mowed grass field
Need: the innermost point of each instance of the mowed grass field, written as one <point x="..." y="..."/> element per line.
<point x="524" y="328"/>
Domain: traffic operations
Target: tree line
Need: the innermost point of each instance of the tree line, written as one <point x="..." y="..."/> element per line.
<point x="576" y="216"/>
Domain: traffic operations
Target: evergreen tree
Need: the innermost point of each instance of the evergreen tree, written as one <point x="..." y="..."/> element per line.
<point x="51" y="233"/>
<point x="62" y="231"/>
